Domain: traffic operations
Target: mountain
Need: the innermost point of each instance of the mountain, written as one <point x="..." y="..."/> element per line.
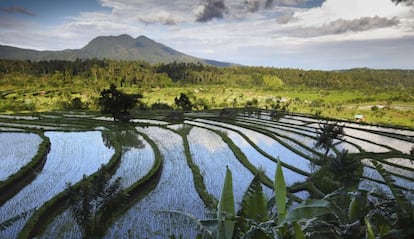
<point x="122" y="47"/>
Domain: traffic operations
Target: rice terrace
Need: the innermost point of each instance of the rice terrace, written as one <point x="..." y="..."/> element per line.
<point x="167" y="167"/>
<point x="225" y="119"/>
<point x="101" y="148"/>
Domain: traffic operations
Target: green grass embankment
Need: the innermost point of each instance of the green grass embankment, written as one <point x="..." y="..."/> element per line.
<point x="264" y="153"/>
<point x="44" y="215"/>
<point x="17" y="181"/>
<point x="209" y="200"/>
<point x="139" y="189"/>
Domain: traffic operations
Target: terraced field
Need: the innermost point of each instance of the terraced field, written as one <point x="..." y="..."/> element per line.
<point x="171" y="166"/>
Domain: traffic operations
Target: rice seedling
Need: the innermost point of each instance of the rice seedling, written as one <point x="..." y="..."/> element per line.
<point x="135" y="163"/>
<point x="396" y="144"/>
<point x="211" y="155"/>
<point x="175" y="191"/>
<point x="78" y="115"/>
<point x="149" y="121"/>
<point x="343" y="145"/>
<point x="260" y="140"/>
<point x="270" y="146"/>
<point x="296" y="134"/>
<point x="4" y="129"/>
<point x="402" y="177"/>
<point x="366" y="146"/>
<point x="17" y="149"/>
<point x="72" y="155"/>
<point x="402" y="161"/>
<point x="63" y="226"/>
<point x="176" y="126"/>
<point x="379" y="129"/>
<point x="300" y="128"/>
<point x="18" y="117"/>
<point x="29" y="126"/>
<point x="303" y="119"/>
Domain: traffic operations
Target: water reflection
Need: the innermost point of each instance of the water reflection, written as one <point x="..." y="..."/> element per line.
<point x="127" y="138"/>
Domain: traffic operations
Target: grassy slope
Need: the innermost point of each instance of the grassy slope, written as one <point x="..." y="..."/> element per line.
<point x="219" y="97"/>
<point x="341" y="104"/>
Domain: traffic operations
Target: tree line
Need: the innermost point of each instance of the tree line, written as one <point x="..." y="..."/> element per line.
<point x="141" y="74"/>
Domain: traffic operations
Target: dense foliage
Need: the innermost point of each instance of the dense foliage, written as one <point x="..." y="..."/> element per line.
<point x="117" y="103"/>
<point x="94" y="197"/>
<point x="142" y="74"/>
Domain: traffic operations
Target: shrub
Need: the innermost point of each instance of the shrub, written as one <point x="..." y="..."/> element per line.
<point x="160" y="106"/>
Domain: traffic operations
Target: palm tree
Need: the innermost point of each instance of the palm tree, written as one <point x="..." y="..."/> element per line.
<point x="96" y="197"/>
<point x="345" y="169"/>
<point x="327" y="133"/>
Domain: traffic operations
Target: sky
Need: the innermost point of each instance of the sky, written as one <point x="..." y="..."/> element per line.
<point x="305" y="34"/>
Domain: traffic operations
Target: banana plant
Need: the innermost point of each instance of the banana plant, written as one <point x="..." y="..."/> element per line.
<point x="306" y="211"/>
<point x="340" y="214"/>
<point x="226" y="209"/>
<point x="253" y="211"/>
<point x="400" y="224"/>
<point x="255" y="220"/>
<point x="221" y="227"/>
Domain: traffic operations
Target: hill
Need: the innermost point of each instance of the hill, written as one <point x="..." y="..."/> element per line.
<point x="122" y="47"/>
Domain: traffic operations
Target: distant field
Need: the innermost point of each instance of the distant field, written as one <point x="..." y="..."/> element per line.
<point x="341" y="104"/>
<point x="383" y="107"/>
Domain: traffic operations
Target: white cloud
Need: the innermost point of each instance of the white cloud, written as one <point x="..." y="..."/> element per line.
<point x="157" y="11"/>
<point x="350" y="9"/>
<point x="154" y="11"/>
<point x="247" y="33"/>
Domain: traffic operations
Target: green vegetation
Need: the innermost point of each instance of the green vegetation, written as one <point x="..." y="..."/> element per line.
<point x="183" y="102"/>
<point x="117" y="103"/>
<point x="336" y="207"/>
<point x="381" y="96"/>
<point x="52" y="208"/>
<point x="198" y="179"/>
<point x="26" y="174"/>
<point x="93" y="199"/>
<point x="327" y="133"/>
<point x="342" y="213"/>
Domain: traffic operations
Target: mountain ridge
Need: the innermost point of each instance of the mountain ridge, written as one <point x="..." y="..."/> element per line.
<point x="121" y="47"/>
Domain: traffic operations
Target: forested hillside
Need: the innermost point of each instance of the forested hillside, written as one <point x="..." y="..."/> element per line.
<point x="143" y="74"/>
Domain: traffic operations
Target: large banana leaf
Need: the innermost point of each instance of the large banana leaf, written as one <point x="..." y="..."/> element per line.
<point x="403" y="205"/>
<point x="369" y="233"/>
<point x="205" y="227"/>
<point x="254" y="210"/>
<point x="226" y="209"/>
<point x="308" y="209"/>
<point x="254" y="202"/>
<point x="358" y="207"/>
<point x="298" y="231"/>
<point x="280" y="192"/>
